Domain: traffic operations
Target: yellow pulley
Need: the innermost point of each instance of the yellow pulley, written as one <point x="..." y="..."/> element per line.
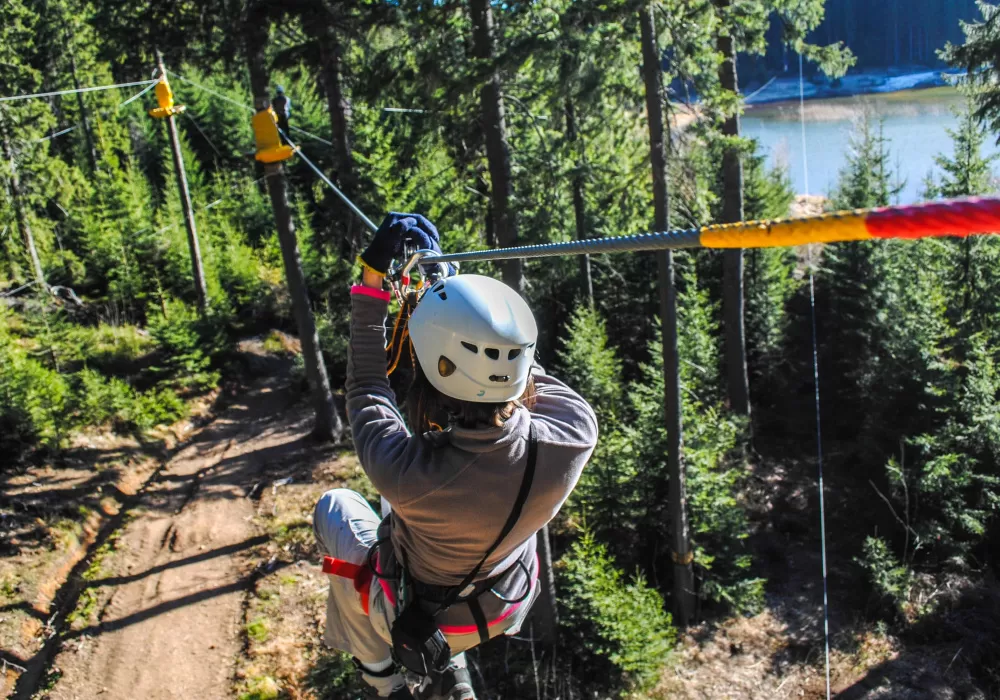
<point x="270" y="149"/>
<point x="165" y="101"/>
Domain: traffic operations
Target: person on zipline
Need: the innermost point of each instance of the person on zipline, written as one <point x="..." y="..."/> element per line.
<point x="493" y="449"/>
<point x="282" y="107"/>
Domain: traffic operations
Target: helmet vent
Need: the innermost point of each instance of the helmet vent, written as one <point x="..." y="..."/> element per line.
<point x="443" y="296"/>
<point x="499" y="378"/>
<point x="492" y="353"/>
<point x="512" y="355"/>
<point x="470" y="347"/>
<point x="446" y="367"/>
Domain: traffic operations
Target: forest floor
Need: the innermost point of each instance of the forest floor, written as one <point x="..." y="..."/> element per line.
<point x="190" y="571"/>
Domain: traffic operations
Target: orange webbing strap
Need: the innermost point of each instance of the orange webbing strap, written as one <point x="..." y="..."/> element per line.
<point x="360" y="574"/>
<point x="400" y="334"/>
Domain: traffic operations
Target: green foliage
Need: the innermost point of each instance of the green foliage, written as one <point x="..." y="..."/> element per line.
<point x="589" y="365"/>
<point x="867" y="179"/>
<point x="890" y="579"/>
<point x="623" y="493"/>
<point x="967" y="172"/>
<point x="189" y="343"/>
<point x="977" y="56"/>
<point x="614" y="625"/>
<point x="101" y="401"/>
<point x="33" y="399"/>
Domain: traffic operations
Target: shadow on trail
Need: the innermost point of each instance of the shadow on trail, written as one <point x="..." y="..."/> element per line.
<point x="203" y="556"/>
<point x="249" y="417"/>
<point x="954" y="653"/>
<point x="242" y="584"/>
<point x="25" y="607"/>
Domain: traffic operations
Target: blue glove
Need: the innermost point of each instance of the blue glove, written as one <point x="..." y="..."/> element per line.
<point x="423" y="234"/>
<point x="395" y="231"/>
<point x="426" y="237"/>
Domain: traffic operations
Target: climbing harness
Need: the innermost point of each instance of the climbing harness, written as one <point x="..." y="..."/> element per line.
<point x="417" y="641"/>
<point x="360" y="574"/>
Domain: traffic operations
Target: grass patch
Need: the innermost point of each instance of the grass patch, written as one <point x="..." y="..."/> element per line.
<point x="258" y="630"/>
<point x="295" y="536"/>
<point x="87" y="604"/>
<point x="261" y="688"/>
<point x="333" y="677"/>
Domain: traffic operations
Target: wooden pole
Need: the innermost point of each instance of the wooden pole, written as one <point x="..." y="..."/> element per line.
<point x="189" y="223"/>
<point x="328" y="425"/>
<point x="684" y="597"/>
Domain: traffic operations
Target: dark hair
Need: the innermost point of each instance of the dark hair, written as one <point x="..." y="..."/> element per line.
<point x="427" y="408"/>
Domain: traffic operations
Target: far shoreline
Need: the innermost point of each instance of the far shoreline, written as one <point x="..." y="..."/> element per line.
<point x="901" y="102"/>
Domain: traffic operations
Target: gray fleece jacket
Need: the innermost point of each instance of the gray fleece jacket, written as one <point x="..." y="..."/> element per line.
<point x="452" y="492"/>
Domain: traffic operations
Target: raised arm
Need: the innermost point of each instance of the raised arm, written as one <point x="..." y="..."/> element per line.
<point x="381" y="438"/>
<point x="568" y="414"/>
<point x="380" y="434"/>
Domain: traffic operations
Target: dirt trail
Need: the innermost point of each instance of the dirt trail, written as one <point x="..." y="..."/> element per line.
<point x="173" y="598"/>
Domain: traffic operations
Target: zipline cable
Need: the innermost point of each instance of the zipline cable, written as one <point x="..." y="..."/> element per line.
<point x="244" y="106"/>
<point x="802" y="119"/>
<point x="819" y="428"/>
<point x="77" y="125"/>
<point x="961" y="217"/>
<point x="343" y="197"/>
<point x="15" y="291"/>
<point x="12" y="98"/>
<point x="139" y="94"/>
<point x="55" y="135"/>
<point x="210" y="91"/>
<point x="819" y="461"/>
<point x="761" y="89"/>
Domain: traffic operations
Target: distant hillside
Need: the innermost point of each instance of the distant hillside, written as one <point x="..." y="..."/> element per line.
<point x="882" y="34"/>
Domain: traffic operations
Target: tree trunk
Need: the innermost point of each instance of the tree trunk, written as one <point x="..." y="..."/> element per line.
<point x="88" y="134"/>
<point x="328" y="425"/>
<point x="256" y="28"/>
<point x="684" y="598"/>
<point x="497" y="152"/>
<point x="732" y="211"/>
<point x="579" y="212"/>
<point x="198" y="271"/>
<point x="340" y="127"/>
<point x="20" y="213"/>
<point x="545" y="617"/>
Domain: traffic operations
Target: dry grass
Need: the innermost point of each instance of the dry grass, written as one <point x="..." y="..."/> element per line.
<point x="284" y="656"/>
<point x="756" y="658"/>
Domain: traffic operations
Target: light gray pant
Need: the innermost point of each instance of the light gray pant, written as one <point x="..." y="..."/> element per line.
<point x="346" y="528"/>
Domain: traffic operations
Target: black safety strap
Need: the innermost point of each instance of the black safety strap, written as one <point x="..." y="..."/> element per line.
<point x="515" y="513"/>
<point x="479" y="617"/>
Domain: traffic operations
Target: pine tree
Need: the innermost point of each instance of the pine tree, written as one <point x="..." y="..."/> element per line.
<point x="969" y="173"/>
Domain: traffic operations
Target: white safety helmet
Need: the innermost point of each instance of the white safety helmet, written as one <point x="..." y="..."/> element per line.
<point x="474" y="338"/>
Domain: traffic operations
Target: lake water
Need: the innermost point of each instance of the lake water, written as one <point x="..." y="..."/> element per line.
<point x="915" y="125"/>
